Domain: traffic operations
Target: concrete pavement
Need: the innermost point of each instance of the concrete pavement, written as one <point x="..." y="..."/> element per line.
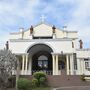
<point x="73" y="88"/>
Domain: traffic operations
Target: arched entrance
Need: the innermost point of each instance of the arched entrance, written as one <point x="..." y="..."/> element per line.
<point x="41" y="58"/>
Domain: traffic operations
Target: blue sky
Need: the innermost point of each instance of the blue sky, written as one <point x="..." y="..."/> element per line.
<point x="15" y="14"/>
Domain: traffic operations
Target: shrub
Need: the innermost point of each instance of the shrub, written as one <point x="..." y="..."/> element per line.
<point x="42" y="81"/>
<point x="82" y="77"/>
<point x="35" y="82"/>
<point x="38" y="75"/>
<point x="39" y="79"/>
<point x="23" y="84"/>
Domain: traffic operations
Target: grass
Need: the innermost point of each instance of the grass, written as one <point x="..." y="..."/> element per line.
<point x="38" y="88"/>
<point x="42" y="88"/>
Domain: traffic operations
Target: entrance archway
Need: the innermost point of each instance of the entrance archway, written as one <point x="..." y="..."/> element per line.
<point x="41" y="58"/>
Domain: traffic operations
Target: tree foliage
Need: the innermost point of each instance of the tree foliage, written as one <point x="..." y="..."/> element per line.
<point x="8" y="62"/>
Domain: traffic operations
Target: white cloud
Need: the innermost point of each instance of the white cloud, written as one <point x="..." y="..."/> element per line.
<point x="12" y="13"/>
<point x="80" y="20"/>
<point x="17" y="13"/>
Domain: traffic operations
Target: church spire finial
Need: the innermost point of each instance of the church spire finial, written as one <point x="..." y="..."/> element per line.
<point x="43" y="18"/>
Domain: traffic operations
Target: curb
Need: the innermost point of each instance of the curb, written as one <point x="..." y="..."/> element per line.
<point x="70" y="87"/>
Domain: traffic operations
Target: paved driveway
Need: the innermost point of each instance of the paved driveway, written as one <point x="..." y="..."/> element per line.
<point x="74" y="88"/>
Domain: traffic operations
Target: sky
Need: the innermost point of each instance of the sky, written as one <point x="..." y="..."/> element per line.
<point x="15" y="14"/>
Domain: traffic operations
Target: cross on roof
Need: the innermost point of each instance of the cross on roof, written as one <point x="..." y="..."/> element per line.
<point x="43" y="18"/>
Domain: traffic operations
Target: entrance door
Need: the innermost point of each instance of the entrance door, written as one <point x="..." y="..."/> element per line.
<point x="61" y="65"/>
<point x="42" y="63"/>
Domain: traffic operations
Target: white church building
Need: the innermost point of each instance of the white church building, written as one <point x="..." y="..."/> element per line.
<point x="46" y="48"/>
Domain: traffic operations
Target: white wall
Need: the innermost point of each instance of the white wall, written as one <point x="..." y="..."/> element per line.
<point x="43" y="30"/>
<point x="21" y="46"/>
<point x="15" y="36"/>
<point x="83" y="53"/>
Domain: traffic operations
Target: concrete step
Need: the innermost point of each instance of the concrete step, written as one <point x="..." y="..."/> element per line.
<point x="63" y="80"/>
<point x="69" y="80"/>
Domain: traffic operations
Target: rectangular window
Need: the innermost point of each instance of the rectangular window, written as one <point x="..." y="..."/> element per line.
<point x="87" y="64"/>
<point x="42" y="37"/>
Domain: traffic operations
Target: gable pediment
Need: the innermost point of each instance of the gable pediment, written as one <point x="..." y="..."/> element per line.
<point x="45" y="30"/>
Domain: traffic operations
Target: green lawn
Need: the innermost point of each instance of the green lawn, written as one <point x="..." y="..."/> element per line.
<point x="44" y="88"/>
<point x="39" y="88"/>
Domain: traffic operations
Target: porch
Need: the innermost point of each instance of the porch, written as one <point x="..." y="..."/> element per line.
<point x="60" y="64"/>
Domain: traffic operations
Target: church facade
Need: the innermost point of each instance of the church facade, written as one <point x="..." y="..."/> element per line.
<point x="49" y="49"/>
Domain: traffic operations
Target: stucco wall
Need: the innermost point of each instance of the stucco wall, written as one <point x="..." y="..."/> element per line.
<point x="21" y="46"/>
<point x="83" y="53"/>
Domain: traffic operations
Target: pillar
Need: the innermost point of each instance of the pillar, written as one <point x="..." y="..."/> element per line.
<point x="67" y="58"/>
<point x="53" y="56"/>
<point x="82" y="65"/>
<point x="26" y="67"/>
<point x="71" y="64"/>
<point x="79" y="66"/>
<point x="54" y="36"/>
<point x="30" y="65"/>
<point x="57" y="65"/>
<point x="23" y="63"/>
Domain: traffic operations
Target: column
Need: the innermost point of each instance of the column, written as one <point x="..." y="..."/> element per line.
<point x="71" y="64"/>
<point x="82" y="65"/>
<point x="67" y="58"/>
<point x="53" y="56"/>
<point x="57" y="65"/>
<point x="79" y="66"/>
<point x="54" y="35"/>
<point x="23" y="61"/>
<point x="30" y="65"/>
<point x="26" y="63"/>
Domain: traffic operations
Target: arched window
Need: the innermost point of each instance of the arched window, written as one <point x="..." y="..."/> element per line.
<point x="43" y="62"/>
<point x="42" y="57"/>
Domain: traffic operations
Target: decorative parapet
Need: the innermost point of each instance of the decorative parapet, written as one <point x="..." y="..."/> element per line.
<point x="41" y="40"/>
<point x="88" y="49"/>
<point x="83" y="53"/>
